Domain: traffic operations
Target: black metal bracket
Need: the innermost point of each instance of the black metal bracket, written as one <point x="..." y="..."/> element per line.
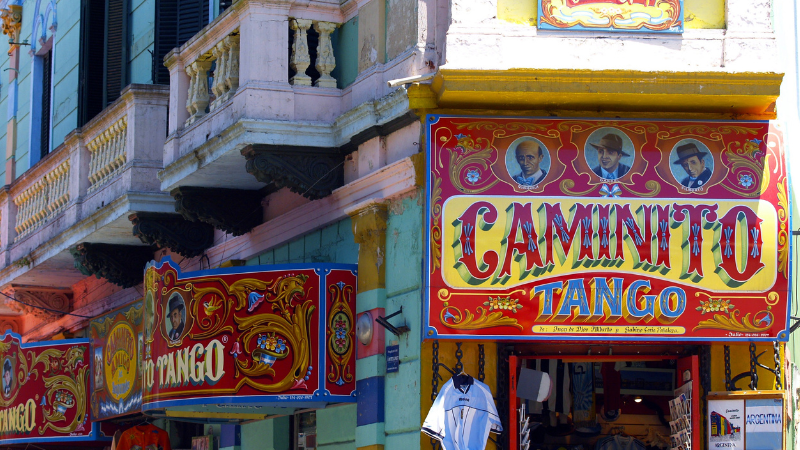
<point x="397" y="331"/>
<point x="795" y="325"/>
<point x="747" y="374"/>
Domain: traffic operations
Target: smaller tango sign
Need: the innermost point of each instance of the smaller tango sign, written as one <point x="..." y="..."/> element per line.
<point x="257" y="336"/>
<point x="650" y="16"/>
<point x="43" y="391"/>
<point x="116" y="385"/>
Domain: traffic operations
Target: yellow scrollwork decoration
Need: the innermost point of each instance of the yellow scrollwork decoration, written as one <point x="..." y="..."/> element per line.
<point x="653" y="188"/>
<point x="567" y="185"/>
<point x="732" y="323"/>
<point x="452" y="317"/>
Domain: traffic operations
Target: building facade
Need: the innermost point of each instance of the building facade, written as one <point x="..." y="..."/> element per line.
<point x="197" y="171"/>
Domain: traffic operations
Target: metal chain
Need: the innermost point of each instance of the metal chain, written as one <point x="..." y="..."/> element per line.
<point x="728" y="384"/>
<point x="435" y="382"/>
<point x="435" y="367"/>
<point x="705" y="376"/>
<point x="481" y="362"/>
<point x="777" y="353"/>
<point x="459" y="367"/>
<point x="753" y="367"/>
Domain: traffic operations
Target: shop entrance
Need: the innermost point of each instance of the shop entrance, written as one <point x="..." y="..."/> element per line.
<point x="582" y="397"/>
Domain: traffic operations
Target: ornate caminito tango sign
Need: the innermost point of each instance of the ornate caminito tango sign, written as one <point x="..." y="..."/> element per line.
<point x="650" y="16"/>
<point x="43" y="391"/>
<point x="614" y="229"/>
<point x="116" y="357"/>
<point x="259" y="335"/>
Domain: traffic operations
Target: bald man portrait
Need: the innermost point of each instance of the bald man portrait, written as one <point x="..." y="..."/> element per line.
<point x="529" y="157"/>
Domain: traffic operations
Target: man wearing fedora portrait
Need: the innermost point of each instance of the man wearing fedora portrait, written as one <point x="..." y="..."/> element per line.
<point x="176" y="318"/>
<point x="693" y="162"/>
<point x="609" y="154"/>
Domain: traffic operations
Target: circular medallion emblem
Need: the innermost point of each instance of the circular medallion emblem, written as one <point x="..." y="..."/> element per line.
<point x="119" y="361"/>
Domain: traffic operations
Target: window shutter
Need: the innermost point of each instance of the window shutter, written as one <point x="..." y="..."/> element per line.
<point x="176" y="22"/>
<point x="115" y="50"/>
<point x="93" y="13"/>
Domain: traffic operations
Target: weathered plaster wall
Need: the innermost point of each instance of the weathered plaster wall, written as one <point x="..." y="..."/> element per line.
<point x="401" y="26"/>
<point x="334" y="243"/>
<point x="698" y="14"/>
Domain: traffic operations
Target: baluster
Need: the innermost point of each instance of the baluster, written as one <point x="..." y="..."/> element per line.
<point x="326" y="62"/>
<point x="220" y="53"/>
<point x="200" y="100"/>
<point x="123" y="140"/>
<point x="232" y="72"/>
<point x="300" y="58"/>
<point x="190" y="71"/>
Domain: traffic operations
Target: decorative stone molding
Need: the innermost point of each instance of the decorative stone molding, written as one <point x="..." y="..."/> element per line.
<point x="369" y="232"/>
<point x="108" y="154"/>
<point x="172" y="231"/>
<point x="7" y="323"/>
<point x="226" y="74"/>
<point x="39" y="203"/>
<point x="122" y="265"/>
<point x="43" y="303"/>
<point x="326" y="62"/>
<point x="197" y="100"/>
<point x="12" y="21"/>
<point x="234" y="211"/>
<point x="300" y="58"/>
<point x="311" y="172"/>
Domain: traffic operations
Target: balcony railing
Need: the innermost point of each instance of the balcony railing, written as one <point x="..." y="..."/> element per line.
<point x="73" y="178"/>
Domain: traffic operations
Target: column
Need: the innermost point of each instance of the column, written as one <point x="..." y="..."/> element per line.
<point x="369" y="230"/>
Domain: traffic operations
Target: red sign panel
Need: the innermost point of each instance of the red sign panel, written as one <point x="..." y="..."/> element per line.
<point x="259" y="335"/>
<point x="606" y="229"/>
<point x="44" y="390"/>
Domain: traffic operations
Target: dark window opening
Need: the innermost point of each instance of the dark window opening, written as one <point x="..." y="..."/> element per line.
<point x="176" y="22"/>
<point x="47" y="62"/>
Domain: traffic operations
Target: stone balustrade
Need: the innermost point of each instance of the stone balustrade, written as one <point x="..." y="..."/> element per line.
<point x="107" y="154"/>
<point x="301" y="59"/>
<point x="224" y="57"/>
<point x="43" y="200"/>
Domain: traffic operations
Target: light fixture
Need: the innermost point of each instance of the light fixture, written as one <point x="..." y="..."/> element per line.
<point x="637" y="399"/>
<point x="364" y="328"/>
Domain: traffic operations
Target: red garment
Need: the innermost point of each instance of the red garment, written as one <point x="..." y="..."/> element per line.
<point x="144" y="437"/>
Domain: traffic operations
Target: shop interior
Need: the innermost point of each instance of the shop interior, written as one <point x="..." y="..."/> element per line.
<point x="603" y="398"/>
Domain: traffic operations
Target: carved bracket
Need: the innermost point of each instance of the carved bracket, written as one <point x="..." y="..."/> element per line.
<point x="234" y="211"/>
<point x="172" y="231"/>
<point x="12" y="21"/>
<point x="32" y="300"/>
<point x="122" y="265"/>
<point x="311" y="172"/>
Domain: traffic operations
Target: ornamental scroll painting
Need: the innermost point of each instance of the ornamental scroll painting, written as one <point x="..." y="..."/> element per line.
<point x="257" y="335"/>
<point x="44" y="391"/>
<point x="606" y="229"/>
<point x="117" y="341"/>
<point x="648" y="16"/>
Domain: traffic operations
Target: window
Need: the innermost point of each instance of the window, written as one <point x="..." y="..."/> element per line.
<point x="103" y="55"/>
<point x="47" y="87"/>
<point x="305" y="426"/>
<point x="41" y="96"/>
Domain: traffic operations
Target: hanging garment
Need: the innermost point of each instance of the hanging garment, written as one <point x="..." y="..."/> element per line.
<point x="583" y="410"/>
<point x="560" y="399"/>
<point x="463" y="415"/>
<point x="612" y="384"/>
<point x="144" y="437"/>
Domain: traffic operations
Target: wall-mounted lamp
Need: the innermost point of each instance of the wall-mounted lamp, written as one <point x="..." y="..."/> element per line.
<point x="364" y="328"/>
<point x="637" y="399"/>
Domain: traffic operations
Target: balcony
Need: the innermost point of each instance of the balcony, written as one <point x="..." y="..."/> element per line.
<point x="260" y="79"/>
<point x="85" y="190"/>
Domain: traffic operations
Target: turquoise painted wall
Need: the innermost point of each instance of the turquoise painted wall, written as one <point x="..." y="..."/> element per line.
<point x="404" y="242"/>
<point x="345" y="45"/>
<point x="65" y="71"/>
<point x="333" y="243"/>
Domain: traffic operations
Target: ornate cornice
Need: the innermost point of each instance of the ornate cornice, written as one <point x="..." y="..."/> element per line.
<point x="234" y="211"/>
<point x="32" y="300"/>
<point x="308" y="171"/>
<point x="122" y="265"/>
<point x="369" y="232"/>
<point x="185" y="237"/>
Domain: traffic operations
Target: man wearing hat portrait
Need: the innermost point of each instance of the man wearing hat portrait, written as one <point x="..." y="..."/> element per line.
<point x="609" y="154"/>
<point x="529" y="156"/>
<point x="176" y="317"/>
<point x="693" y="162"/>
<point x="7" y="378"/>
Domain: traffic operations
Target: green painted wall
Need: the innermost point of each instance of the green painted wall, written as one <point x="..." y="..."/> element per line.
<point x="65" y="72"/>
<point x="345" y="47"/>
<point x="336" y="428"/>
<point x="334" y="243"/>
<point x="271" y="434"/>
<point x="404" y="244"/>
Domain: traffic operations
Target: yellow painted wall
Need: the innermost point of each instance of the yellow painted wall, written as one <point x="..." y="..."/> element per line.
<point x="447" y="356"/>
<point x="740" y="362"/>
<point x="698" y="14"/>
